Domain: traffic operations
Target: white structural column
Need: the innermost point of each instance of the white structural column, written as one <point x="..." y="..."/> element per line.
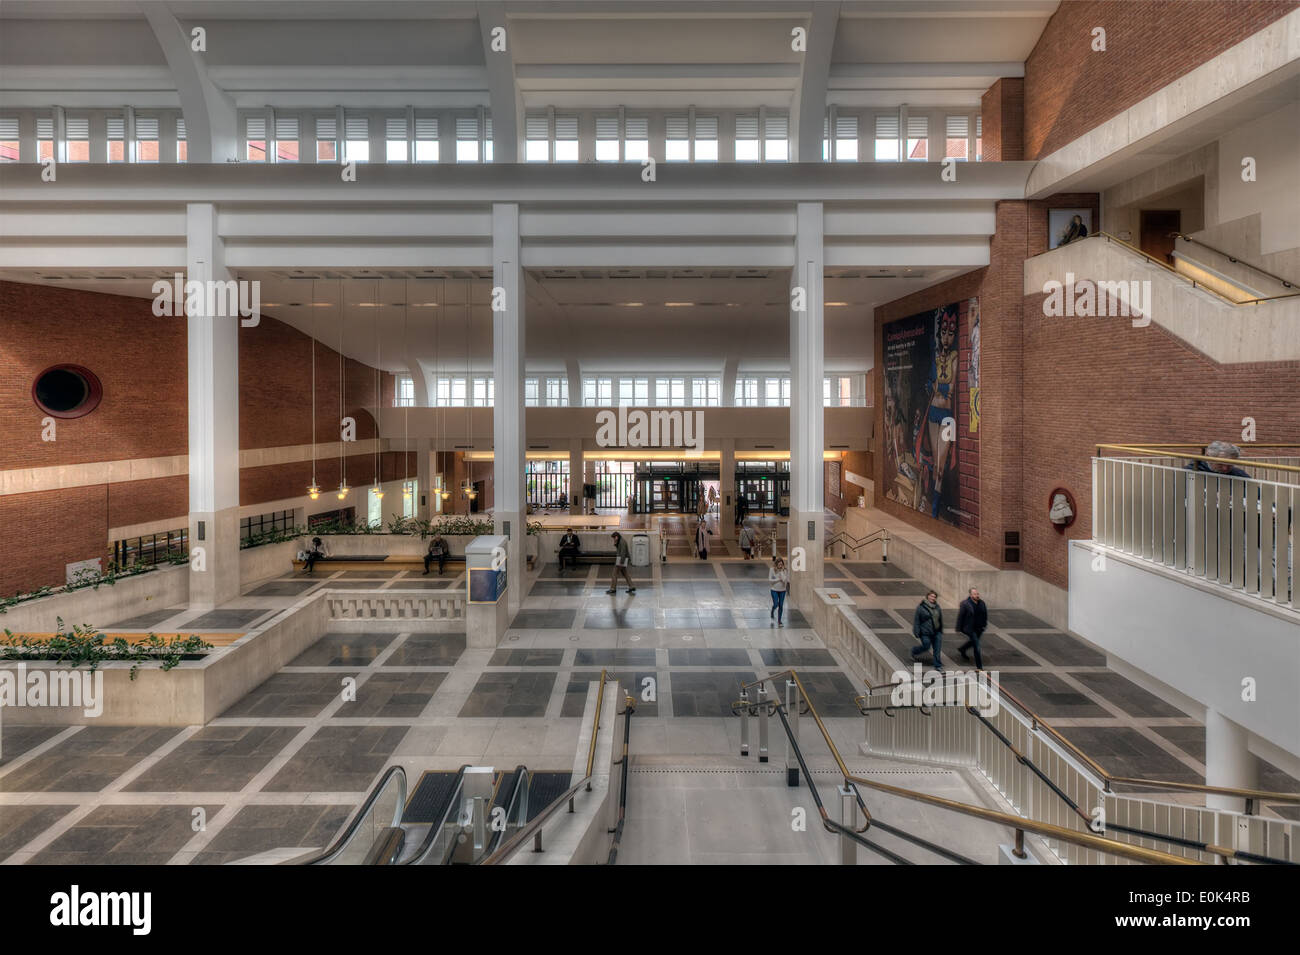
<point x="727" y="489"/>
<point x="577" y="474"/>
<point x="213" y="421"/>
<point x="508" y="441"/>
<point x="806" y="413"/>
<point x="810" y="102"/>
<point x="1228" y="760"/>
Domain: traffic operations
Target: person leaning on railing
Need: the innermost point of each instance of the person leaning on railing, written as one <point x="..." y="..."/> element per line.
<point x="1219" y="449"/>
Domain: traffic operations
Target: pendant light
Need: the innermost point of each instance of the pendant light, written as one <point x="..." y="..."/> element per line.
<point x="314" y="490"/>
<point x="470" y="493"/>
<point x="406" y="413"/>
<point x="379" y="407"/>
<point x="343" y="464"/>
<point x="443" y="491"/>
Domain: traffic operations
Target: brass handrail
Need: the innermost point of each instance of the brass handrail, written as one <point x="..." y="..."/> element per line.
<point x="1249" y="462"/>
<point x="533" y="826"/>
<point x="1018" y="823"/>
<point x="1232" y="258"/>
<point x="1158" y="784"/>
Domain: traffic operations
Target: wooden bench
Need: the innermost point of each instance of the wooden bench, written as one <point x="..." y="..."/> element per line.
<point x="591" y="556"/>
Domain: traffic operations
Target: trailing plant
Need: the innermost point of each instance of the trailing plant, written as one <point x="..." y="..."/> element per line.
<point x="92" y="579"/>
<point x="85" y="644"/>
<point x="535" y="527"/>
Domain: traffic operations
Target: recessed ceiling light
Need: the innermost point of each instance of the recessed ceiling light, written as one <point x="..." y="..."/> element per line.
<point x="836" y="304"/>
<point x="677" y="304"/>
<point x="631" y="304"/>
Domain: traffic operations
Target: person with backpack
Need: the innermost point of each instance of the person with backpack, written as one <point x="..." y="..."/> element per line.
<point x="622" y="557"/>
<point x="927" y="626"/>
<point x="778" y="578"/>
<point x="318" y="550"/>
<point x="747" y="541"/>
<point x="972" y="619"/>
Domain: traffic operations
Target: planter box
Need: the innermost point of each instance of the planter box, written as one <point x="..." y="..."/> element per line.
<point x="169" y="586"/>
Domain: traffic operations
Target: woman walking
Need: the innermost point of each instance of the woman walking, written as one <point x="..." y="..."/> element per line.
<point x="779" y="580"/>
<point x="702" y="539"/>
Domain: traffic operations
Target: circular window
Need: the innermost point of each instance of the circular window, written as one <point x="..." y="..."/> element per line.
<point x="67" y="391"/>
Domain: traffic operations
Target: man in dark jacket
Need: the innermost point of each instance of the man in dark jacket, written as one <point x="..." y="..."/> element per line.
<point x="972" y="618"/>
<point x="569" y="547"/>
<point x="927" y="626"/>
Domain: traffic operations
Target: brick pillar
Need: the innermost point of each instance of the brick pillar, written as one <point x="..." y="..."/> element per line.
<point x="1002" y="109"/>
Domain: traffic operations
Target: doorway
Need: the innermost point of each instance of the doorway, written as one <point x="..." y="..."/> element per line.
<point x="1156" y="232"/>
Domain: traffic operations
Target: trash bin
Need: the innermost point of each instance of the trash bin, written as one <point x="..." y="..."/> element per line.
<point x="640" y="550"/>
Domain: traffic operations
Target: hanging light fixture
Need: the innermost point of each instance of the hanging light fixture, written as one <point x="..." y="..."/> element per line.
<point x="343" y="464"/>
<point x="406" y="413"/>
<point x="470" y="493"/>
<point x="443" y="491"/>
<point x="313" y="491"/>
<point x="377" y="490"/>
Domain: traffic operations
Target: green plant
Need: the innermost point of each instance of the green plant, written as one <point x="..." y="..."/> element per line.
<point x="85" y="644"/>
<point x="89" y="578"/>
<point x="535" y="527"/>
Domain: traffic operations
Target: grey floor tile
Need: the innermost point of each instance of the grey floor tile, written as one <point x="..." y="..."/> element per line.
<point x="124" y="835"/>
<point x="257" y="829"/>
<point x="88" y="760"/>
<point x="216" y="759"/>
<point x="428" y="650"/>
<point x="896" y="588"/>
<point x="707" y="694"/>
<point x="544" y="620"/>
<point x="615" y="658"/>
<point x="874" y="571"/>
<point x="1126" y="694"/>
<point x="1061" y="649"/>
<point x="526" y="658"/>
<point x="282" y="588"/>
<point x="344" y="650"/>
<point x="693" y="657"/>
<point x="21" y="824"/>
<point x="226" y="619"/>
<point x="631" y="618"/>
<point x="1016" y="620"/>
<point x="339" y="759"/>
<point x="392" y="695"/>
<point x="797" y="658"/>
<point x="1123" y="751"/>
<point x="298" y="695"/>
<point x="1048" y="695"/>
<point x="878" y="619"/>
<point x="513" y="693"/>
<point x="16" y="740"/>
<point x="145" y="621"/>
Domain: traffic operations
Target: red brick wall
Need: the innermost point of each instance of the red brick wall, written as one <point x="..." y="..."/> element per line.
<point x="1100" y="380"/>
<point x="140" y="360"/>
<point x="1070" y="89"/>
<point x="1002" y="111"/>
<point x="44" y="531"/>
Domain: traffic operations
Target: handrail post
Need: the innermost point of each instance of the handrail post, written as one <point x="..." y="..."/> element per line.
<point x="1019" y="850"/>
<point x="762" y="724"/>
<point x="884" y="549"/>
<point x="792" y="714"/>
<point x="849" y="819"/>
<point x="744" y="722"/>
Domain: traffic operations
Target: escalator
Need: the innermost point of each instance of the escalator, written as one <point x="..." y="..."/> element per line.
<point x="451" y="818"/>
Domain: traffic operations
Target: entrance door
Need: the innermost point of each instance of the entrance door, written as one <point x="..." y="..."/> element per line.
<point x="1156" y="228"/>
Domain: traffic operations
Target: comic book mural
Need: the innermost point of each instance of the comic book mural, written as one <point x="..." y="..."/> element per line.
<point x="931" y="413"/>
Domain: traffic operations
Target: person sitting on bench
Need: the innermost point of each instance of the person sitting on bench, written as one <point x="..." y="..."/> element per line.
<point x="569" y="547"/>
<point x="318" y="550"/>
<point x="437" y="551"/>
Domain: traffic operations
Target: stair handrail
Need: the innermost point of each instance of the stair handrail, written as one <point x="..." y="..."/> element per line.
<point x="1020" y="824"/>
<point x="843" y="537"/>
<point x="1233" y="259"/>
<point x="1237" y="462"/>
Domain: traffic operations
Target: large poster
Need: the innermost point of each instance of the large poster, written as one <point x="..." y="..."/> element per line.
<point x="931" y="412"/>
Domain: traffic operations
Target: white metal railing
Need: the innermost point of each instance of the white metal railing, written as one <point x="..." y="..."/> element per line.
<point x="1233" y="531"/>
<point x="390" y="604"/>
<point x="950" y="735"/>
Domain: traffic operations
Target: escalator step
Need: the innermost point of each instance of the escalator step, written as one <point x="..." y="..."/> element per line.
<point x="545" y="789"/>
<point x="429" y="801"/>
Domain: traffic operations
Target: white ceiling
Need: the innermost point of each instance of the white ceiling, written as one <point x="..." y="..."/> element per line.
<point x="586" y="316"/>
<point x="568" y="54"/>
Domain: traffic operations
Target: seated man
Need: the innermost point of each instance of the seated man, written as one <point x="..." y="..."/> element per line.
<point x="569" y="547"/>
<point x="438" y="551"/>
<point x="318" y="550"/>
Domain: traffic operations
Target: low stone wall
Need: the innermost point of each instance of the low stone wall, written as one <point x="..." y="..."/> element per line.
<point x="267" y="560"/>
<point x="169" y="586"/>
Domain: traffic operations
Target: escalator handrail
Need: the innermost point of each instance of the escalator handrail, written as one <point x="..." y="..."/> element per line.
<point x="535" y="824"/>
<point x="436" y="829"/>
<point x="345" y="838"/>
<point x="521" y="774"/>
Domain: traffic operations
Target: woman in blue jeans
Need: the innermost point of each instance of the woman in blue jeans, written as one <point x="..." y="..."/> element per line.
<point x="779" y="579"/>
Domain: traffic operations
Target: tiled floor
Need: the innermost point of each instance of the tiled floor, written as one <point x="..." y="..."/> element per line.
<point x="286" y="765"/>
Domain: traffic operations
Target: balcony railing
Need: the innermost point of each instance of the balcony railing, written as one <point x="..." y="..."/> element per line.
<point x="1238" y="532"/>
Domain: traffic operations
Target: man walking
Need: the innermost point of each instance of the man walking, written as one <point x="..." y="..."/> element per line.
<point x="972" y="618"/>
<point x="927" y="626"/>
<point x="622" y="557"/>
